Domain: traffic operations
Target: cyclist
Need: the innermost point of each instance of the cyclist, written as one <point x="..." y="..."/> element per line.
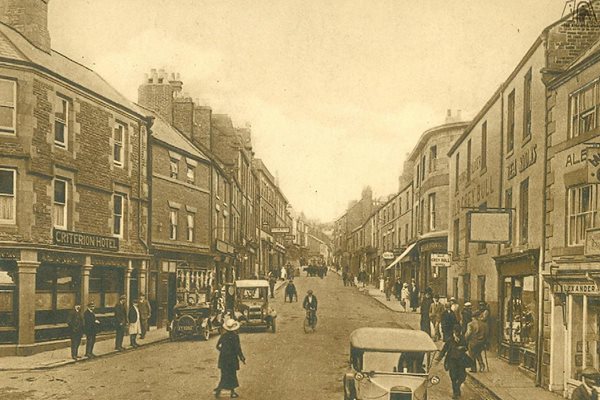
<point x="310" y="305"/>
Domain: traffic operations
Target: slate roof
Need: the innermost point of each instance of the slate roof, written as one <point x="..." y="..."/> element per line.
<point x="14" y="46"/>
<point x="164" y="132"/>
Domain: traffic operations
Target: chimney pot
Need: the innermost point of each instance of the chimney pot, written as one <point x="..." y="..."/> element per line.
<point x="30" y="18"/>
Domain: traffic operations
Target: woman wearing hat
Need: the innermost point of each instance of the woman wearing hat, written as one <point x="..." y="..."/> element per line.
<point x="230" y="352"/>
<point x="587" y="390"/>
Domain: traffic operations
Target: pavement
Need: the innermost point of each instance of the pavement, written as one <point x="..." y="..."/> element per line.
<point x="503" y="382"/>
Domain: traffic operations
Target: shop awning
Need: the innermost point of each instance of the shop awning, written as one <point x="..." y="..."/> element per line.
<point x="402" y="256"/>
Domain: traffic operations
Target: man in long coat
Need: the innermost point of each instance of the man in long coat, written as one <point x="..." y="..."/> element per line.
<point x="145" y="314"/>
<point x="91" y="325"/>
<point x="75" y="323"/>
<point x="435" y="315"/>
<point x="448" y="322"/>
<point x="121" y="322"/>
<point x="425" y="309"/>
<point x="414" y="295"/>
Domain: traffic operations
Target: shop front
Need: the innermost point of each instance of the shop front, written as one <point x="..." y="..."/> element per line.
<point x="518" y="300"/>
<point x="433" y="263"/>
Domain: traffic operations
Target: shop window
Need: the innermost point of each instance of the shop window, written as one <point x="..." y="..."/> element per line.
<point x="173" y="224"/>
<point x="8" y="284"/>
<point x="174" y="168"/>
<point x="60" y="203"/>
<point x="519" y="311"/>
<point x="585" y="334"/>
<point x="106" y="285"/>
<point x="467" y="287"/>
<point x="57" y="290"/>
<point x="118" y="214"/>
<point x="119" y="132"/>
<point x="582" y="212"/>
<point x="8" y="106"/>
<point x="61" y="122"/>
<point x="583" y="110"/>
<point x="8" y="195"/>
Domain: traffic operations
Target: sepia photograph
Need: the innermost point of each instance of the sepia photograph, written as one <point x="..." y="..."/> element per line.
<point x="303" y="200"/>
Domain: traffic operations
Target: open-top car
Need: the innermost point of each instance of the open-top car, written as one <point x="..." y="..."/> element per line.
<point x="252" y="304"/>
<point x="194" y="319"/>
<point x="389" y="364"/>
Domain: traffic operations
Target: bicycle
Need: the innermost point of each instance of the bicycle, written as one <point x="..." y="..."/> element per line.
<point x="310" y="322"/>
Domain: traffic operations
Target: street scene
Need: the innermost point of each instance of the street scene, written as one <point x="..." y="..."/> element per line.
<point x="299" y="200"/>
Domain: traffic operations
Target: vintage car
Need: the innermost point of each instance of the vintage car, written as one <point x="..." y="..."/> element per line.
<point x="194" y="320"/>
<point x="390" y="364"/>
<point x="252" y="304"/>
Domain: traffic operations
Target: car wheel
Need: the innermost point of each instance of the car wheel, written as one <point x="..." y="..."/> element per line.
<point x="273" y="326"/>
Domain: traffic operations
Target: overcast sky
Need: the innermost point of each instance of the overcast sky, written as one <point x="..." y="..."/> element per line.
<point x="337" y="92"/>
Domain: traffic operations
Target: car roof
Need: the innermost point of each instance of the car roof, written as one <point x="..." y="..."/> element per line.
<point x="391" y="339"/>
<point x="251" y="283"/>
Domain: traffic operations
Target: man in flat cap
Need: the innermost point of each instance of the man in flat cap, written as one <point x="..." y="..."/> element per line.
<point x="122" y="320"/>
<point x="91" y="326"/>
<point x="587" y="389"/>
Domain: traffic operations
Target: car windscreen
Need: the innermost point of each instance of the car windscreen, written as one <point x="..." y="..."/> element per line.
<point x="252" y="293"/>
<point x="406" y="362"/>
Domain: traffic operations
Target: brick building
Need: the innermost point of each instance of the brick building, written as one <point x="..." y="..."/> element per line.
<point x="73" y="186"/>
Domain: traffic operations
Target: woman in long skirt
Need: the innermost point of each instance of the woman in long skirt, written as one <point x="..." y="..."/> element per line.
<point x="230" y="353"/>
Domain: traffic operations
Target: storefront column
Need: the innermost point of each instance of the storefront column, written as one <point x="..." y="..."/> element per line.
<point x="26" y="271"/>
<point x="142" y="274"/>
<point x="86" y="269"/>
<point x="128" y="281"/>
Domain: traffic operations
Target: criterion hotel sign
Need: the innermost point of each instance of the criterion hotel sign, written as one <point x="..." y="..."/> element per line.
<point x="84" y="240"/>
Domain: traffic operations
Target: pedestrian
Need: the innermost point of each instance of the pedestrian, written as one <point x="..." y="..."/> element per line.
<point x="425" y="309"/>
<point x="465" y="316"/>
<point x="145" y="314"/>
<point x="230" y="354"/>
<point x="290" y="291"/>
<point x="398" y="289"/>
<point x="414" y="295"/>
<point x="355" y="280"/>
<point x="455" y="360"/>
<point x="389" y="287"/>
<point x="91" y="326"/>
<point x="122" y="320"/>
<point x="456" y="310"/>
<point x="405" y="296"/>
<point x="448" y="322"/>
<point x="587" y="390"/>
<point x="435" y="315"/>
<point x="476" y="337"/>
<point x="135" y="326"/>
<point x="75" y="323"/>
<point x="283" y="274"/>
<point x="345" y="278"/>
<point x="272" y="281"/>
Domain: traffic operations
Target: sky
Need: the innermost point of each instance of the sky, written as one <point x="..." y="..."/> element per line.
<point x="337" y="92"/>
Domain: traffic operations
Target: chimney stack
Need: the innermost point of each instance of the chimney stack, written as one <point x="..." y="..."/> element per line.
<point x="30" y="18"/>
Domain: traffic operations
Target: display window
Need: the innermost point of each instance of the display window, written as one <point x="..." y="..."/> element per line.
<point x="519" y="311"/>
<point x="8" y="285"/>
<point x="57" y="290"/>
<point x="585" y="330"/>
<point x="106" y="285"/>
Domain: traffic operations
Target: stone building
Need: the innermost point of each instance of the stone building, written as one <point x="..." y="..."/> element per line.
<point x="73" y="187"/>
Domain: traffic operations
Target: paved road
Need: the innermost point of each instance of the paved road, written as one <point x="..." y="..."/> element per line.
<point x="286" y="365"/>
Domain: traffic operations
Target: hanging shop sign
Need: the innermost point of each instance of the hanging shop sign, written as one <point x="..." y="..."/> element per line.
<point x="84" y="240"/>
<point x="388" y="255"/>
<point x="440" y="260"/>
<point x="281" y="229"/>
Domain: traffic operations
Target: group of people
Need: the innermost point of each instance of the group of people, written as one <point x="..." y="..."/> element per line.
<point x="132" y="320"/>
<point x="465" y="333"/>
<point x="406" y="293"/>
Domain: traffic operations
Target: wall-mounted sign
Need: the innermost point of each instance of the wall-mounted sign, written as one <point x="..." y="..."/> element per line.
<point x="440" y="260"/>
<point x="289" y="237"/>
<point x="586" y="287"/>
<point x="524" y="161"/>
<point x="280" y="229"/>
<point x="388" y="255"/>
<point x="84" y="240"/>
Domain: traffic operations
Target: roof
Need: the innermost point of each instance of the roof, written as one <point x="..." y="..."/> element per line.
<point x="164" y="132"/>
<point x="15" y="47"/>
<point x="429" y="133"/>
<point x="251" y="283"/>
<point x="391" y="339"/>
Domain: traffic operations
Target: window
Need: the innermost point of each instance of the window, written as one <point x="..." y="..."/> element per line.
<point x="422" y="216"/>
<point x="418" y="219"/>
<point x="481" y="287"/>
<point x="510" y="125"/>
<point x="174" y="166"/>
<point x="456" y="238"/>
<point x="432" y="158"/>
<point x="583" y="110"/>
<point x="418" y="174"/>
<point x="8" y="109"/>
<point x="456" y="173"/>
<point x="508" y="205"/>
<point x="118" y="214"/>
<point x="527" y="106"/>
<point x="482" y="246"/>
<point x="190" y="227"/>
<point x="61" y="125"/>
<point x="432" y="222"/>
<point x="406" y="233"/>
<point x="191" y="174"/>
<point x="484" y="146"/>
<point x="423" y="163"/>
<point x="582" y="212"/>
<point x="469" y="160"/>
<point x="57" y="290"/>
<point x="524" y="212"/>
<point x="60" y="204"/>
<point x="467" y="287"/>
<point x="8" y="195"/>
<point x="119" y="144"/>
<point x="173" y="225"/>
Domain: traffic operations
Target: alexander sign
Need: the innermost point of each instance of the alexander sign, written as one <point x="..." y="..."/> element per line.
<point x="84" y="240"/>
<point x="577" y="288"/>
